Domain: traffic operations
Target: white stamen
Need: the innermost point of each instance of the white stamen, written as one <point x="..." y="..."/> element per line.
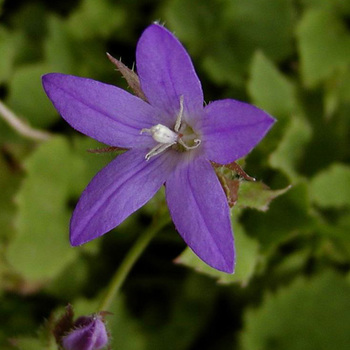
<point x="157" y="149"/>
<point x="179" y="116"/>
<point x="167" y="137"/>
<point x="162" y="134"/>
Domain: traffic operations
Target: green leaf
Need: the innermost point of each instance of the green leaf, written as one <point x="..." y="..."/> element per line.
<point x="308" y="315"/>
<point x="338" y="228"/>
<point x="250" y="30"/>
<point x="222" y="66"/>
<point x="62" y="287"/>
<point x="337" y="245"/>
<point x="66" y="53"/>
<point x="9" y="182"/>
<point x="331" y="187"/>
<point x="59" y="47"/>
<point x="269" y="89"/>
<point x="30" y="28"/>
<point x="257" y="195"/>
<point x="7" y="49"/>
<point x="27" y="97"/>
<point x="288" y="216"/>
<point x="233" y="31"/>
<point x="324" y="45"/>
<point x="27" y="343"/>
<point x="96" y="19"/>
<point x="126" y="331"/>
<point x="247" y="257"/>
<point x="337" y="91"/>
<point x="189" y="314"/>
<point x="43" y="341"/>
<point x="40" y="250"/>
<point x="289" y="153"/>
<point x="340" y="6"/>
<point x="192" y="19"/>
<point x="244" y="31"/>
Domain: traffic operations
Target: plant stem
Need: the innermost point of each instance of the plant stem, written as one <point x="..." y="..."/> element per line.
<point x="20" y="126"/>
<point x="130" y="259"/>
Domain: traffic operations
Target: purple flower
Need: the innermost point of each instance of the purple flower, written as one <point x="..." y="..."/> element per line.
<point x="89" y="334"/>
<point x="171" y="139"/>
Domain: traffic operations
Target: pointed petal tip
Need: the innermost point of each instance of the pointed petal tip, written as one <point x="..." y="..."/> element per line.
<point x="225" y="266"/>
<point x="271" y="120"/>
<point x="76" y="235"/>
<point x="48" y="80"/>
<point x="74" y="242"/>
<point x="231" y="129"/>
<point x="77" y="239"/>
<point x="45" y="78"/>
<point x="230" y="269"/>
<point x="74" y="239"/>
<point x="166" y="72"/>
<point x="79" y="235"/>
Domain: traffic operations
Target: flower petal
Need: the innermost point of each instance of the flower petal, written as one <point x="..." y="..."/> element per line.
<point x="199" y="209"/>
<point x="90" y="334"/>
<point x="231" y="129"/>
<point x="101" y="111"/>
<point x="166" y="72"/>
<point x="118" y="190"/>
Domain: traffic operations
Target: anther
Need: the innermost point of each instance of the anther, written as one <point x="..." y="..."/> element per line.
<point x="161" y="134"/>
<point x="179" y="116"/>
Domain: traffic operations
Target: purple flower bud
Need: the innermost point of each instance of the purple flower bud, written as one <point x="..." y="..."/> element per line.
<point x="89" y="334"/>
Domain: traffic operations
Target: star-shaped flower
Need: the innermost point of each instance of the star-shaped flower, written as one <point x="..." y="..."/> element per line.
<point x="171" y="139"/>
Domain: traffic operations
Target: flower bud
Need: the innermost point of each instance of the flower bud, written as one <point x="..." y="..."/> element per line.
<point x="89" y="333"/>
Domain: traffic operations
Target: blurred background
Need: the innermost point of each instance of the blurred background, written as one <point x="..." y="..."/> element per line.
<point x="291" y="289"/>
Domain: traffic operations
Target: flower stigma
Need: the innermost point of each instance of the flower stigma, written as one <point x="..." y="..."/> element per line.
<point x="183" y="138"/>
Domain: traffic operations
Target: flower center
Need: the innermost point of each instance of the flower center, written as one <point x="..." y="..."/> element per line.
<point x="182" y="138"/>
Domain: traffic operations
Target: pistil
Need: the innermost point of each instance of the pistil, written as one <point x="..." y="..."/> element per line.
<point x="181" y="136"/>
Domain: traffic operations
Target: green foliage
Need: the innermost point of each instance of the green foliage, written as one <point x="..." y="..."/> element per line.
<point x="257" y="195"/>
<point x="291" y="226"/>
<point x="320" y="29"/>
<point x="9" y="179"/>
<point x="277" y="226"/>
<point x="96" y="19"/>
<point x="59" y="46"/>
<point x="193" y="18"/>
<point x="127" y="333"/>
<point x="270" y="89"/>
<point x="43" y="216"/>
<point x="271" y="33"/>
<point x="307" y="315"/>
<point x="289" y="152"/>
<point x="233" y="30"/>
<point x="7" y="52"/>
<point x="28" y="79"/>
<point x="331" y="187"/>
